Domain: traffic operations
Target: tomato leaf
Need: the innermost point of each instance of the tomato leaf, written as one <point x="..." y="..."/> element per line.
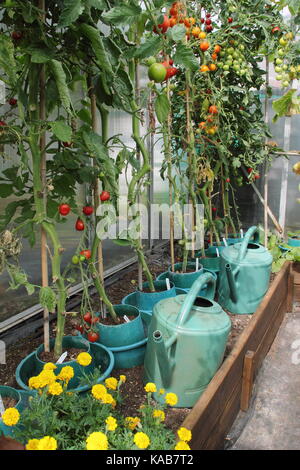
<point x="177" y="33"/>
<point x="150" y="47"/>
<point x="47" y="298"/>
<point x="123" y="14"/>
<point x="162" y="107"/>
<point x="62" y="131"/>
<point x="72" y="9"/>
<point x="93" y="35"/>
<point x="6" y="190"/>
<point x="185" y="56"/>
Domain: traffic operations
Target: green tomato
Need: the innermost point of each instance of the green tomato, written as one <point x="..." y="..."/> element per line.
<point x="157" y="72"/>
<point x="236" y="55"/>
<point x="229" y="57"/>
<point x="241" y="47"/>
<point x="75" y="260"/>
<point x="285" y="84"/>
<point x="279" y="61"/>
<point x="81" y="258"/>
<point x="230" y="50"/>
<point x="222" y="53"/>
<point x="278" y="69"/>
<point x="236" y="67"/>
<point x="285" y="67"/>
<point x="281" y="52"/>
<point x="150" y="61"/>
<point x="226" y="67"/>
<point x="278" y="77"/>
<point x="283" y="42"/>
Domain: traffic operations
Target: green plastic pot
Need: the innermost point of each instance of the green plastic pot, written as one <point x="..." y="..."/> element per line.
<point x="124" y="334"/>
<point x="294" y="242"/>
<point x="102" y="357"/>
<point x="204" y="291"/>
<point x="184" y="280"/>
<point x="12" y="393"/>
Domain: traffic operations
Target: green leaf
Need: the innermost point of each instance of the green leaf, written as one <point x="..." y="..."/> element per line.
<point x="7" y="59"/>
<point x="99" y="4"/>
<point x="47" y="298"/>
<point x="177" y="33"/>
<point x="185" y="56"/>
<point x="93" y="35"/>
<point x="41" y="56"/>
<point x="287" y="105"/>
<point x="62" y="131"/>
<point x="124" y="14"/>
<point x="149" y="48"/>
<point x="6" y="190"/>
<point x="162" y="107"/>
<point x="61" y="83"/>
<point x="72" y="9"/>
<point x="120" y="242"/>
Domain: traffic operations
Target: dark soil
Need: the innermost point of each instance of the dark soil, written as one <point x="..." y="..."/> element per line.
<point x="133" y="389"/>
<point x="8" y="402"/>
<point x="72" y="355"/>
<point x="108" y="320"/>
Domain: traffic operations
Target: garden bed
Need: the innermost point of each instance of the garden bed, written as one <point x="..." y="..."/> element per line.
<point x="201" y="417"/>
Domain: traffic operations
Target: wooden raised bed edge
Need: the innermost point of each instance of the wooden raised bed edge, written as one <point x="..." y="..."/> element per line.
<point x="229" y="391"/>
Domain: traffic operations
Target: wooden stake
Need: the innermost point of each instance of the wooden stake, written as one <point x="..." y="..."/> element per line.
<point x="44" y="257"/>
<point x="266" y="189"/>
<point x="248" y="374"/>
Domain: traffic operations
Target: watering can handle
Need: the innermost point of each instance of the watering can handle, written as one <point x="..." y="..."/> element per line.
<point x="188" y="303"/>
<point x="244" y="245"/>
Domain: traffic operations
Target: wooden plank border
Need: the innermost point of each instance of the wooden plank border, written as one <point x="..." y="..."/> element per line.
<point x="213" y="415"/>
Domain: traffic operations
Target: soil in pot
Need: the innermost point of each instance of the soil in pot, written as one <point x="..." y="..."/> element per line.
<point x="109" y="321"/>
<point x="8" y="402"/>
<point x="71" y="356"/>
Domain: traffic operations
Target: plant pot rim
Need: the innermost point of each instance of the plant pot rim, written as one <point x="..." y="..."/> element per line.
<point x="67" y="363"/>
<point x="14" y="391"/>
<point x="189" y="264"/>
<point x="128" y="347"/>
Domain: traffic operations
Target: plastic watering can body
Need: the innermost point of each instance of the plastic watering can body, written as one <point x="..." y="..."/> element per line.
<point x="244" y="275"/>
<point x="186" y="343"/>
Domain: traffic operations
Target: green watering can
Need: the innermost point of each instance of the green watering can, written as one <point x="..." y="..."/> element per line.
<point x="186" y="343"/>
<point x="244" y="274"/>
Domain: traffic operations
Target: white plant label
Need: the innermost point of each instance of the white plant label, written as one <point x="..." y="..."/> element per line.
<point x="197" y="264"/>
<point x="1" y="407"/>
<point x="62" y="358"/>
<point x="218" y="254"/>
<point x="126" y="319"/>
<point x="168" y="283"/>
<point x="225" y="241"/>
<point x="242" y="233"/>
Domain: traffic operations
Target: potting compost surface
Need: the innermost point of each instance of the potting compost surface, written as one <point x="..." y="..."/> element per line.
<point x="133" y="390"/>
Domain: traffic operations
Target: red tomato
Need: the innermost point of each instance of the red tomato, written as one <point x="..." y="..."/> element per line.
<point x="93" y="336"/>
<point x="104" y="196"/>
<point x="64" y="209"/>
<point x="16" y="35"/>
<point x="88" y="210"/>
<point x="87" y="317"/>
<point x="86" y="253"/>
<point x="94" y="320"/>
<point x="164" y="26"/>
<point x="230" y="20"/>
<point x="79" y="226"/>
<point x="276" y="29"/>
<point x="13" y="101"/>
<point x="227" y="180"/>
<point x="208" y="21"/>
<point x="79" y="328"/>
<point x="214" y="209"/>
<point x="213" y="109"/>
<point x="67" y="144"/>
<point x="2" y="123"/>
<point x="209" y="28"/>
<point x="250" y="170"/>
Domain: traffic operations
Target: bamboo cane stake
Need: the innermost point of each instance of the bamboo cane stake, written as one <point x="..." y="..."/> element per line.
<point x="44" y="255"/>
<point x="266" y="188"/>
<point x="138" y="155"/>
<point x="172" y="250"/>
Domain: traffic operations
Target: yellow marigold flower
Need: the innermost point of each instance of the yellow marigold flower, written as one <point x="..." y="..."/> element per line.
<point x="34" y="383"/>
<point x="184" y="434"/>
<point x="162" y="391"/>
<point x="171" y="399"/>
<point x="32" y="444"/>
<point x="111" y="383"/>
<point x="114" y="403"/>
<point x="49" y="366"/>
<point x="132" y="423"/>
<point x="122" y="378"/>
<point x="159" y="414"/>
<point x="181" y="445"/>
<point x="111" y="423"/>
<point x="55" y="389"/>
<point x="97" y="441"/>
<point x="66" y="374"/>
<point x="46" y="377"/>
<point x="84" y="359"/>
<point x="141" y="440"/>
<point x="108" y="399"/>
<point x="11" y="416"/>
<point x="47" y="443"/>
<point x="150" y="387"/>
<point x="99" y="391"/>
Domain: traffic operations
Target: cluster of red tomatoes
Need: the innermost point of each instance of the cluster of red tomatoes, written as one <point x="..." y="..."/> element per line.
<point x="86" y="327"/>
<point x="210" y="125"/>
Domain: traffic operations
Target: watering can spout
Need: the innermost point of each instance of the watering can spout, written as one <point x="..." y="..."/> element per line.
<point x="231" y="283"/>
<point x="165" y="363"/>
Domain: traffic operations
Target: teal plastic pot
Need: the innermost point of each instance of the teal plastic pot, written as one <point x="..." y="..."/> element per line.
<point x="145" y="301"/>
<point x="125" y="334"/>
<point x="212" y="250"/>
<point x="184" y="280"/>
<point x="12" y="393"/>
<point x="130" y="356"/>
<point x="294" y="242"/>
<point x="102" y="357"/>
<point x="204" y="291"/>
